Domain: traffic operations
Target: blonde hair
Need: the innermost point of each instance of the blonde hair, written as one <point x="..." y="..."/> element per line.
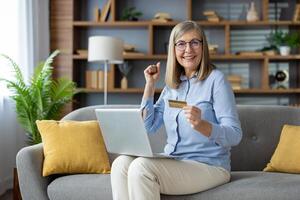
<point x="174" y="69"/>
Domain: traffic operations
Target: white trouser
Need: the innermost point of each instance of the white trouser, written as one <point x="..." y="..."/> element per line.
<point x="145" y="178"/>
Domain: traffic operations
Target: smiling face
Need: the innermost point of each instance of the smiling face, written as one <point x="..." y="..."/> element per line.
<point x="190" y="56"/>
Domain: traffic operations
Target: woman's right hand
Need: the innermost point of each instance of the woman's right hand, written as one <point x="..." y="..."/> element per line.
<point x="152" y="73"/>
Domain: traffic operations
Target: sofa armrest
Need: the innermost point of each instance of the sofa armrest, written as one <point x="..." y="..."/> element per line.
<point x="33" y="185"/>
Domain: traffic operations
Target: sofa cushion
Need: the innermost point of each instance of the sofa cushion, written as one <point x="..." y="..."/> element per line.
<point x="251" y="186"/>
<point x="80" y="186"/>
<point x="73" y="147"/>
<point x="286" y="157"/>
<point x="243" y="185"/>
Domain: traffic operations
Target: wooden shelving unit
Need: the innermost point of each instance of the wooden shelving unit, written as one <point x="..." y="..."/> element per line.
<point x="66" y="22"/>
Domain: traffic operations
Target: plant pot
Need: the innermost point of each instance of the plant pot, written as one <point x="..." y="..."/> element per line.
<point x="285" y="50"/>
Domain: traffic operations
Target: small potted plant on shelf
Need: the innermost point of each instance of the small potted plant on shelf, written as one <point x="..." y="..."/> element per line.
<point x="284" y="41"/>
<point x="130" y="14"/>
<point x="42" y="98"/>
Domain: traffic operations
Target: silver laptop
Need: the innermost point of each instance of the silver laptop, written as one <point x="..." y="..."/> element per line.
<point x="124" y="132"/>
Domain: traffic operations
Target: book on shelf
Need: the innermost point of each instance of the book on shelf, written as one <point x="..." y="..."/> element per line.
<point x="212" y="16"/>
<point x="82" y="52"/>
<point x="105" y="11"/>
<point x="249" y="53"/>
<point x="94" y="79"/>
<point x="129" y="47"/>
<point x="213" y="19"/>
<point x="100" y="81"/>
<point x="97" y="14"/>
<point x="91" y="79"/>
<point x="235" y="81"/>
<point x="270" y="53"/>
<point x="88" y="77"/>
<point x="235" y="86"/>
<point x="209" y="12"/>
<point x="160" y="20"/>
<point x="132" y="53"/>
<point x="111" y="77"/>
<point x="296" y="16"/>
<point x="213" y="48"/>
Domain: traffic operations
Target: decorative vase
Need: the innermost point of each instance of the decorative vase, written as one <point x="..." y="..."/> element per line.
<point x="252" y="15"/>
<point x="124" y="83"/>
<point x="284" y="50"/>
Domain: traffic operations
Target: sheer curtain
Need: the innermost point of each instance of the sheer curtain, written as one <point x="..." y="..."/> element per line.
<point x="24" y="37"/>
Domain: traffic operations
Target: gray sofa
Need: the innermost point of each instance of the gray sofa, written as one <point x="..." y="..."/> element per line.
<point x="261" y="130"/>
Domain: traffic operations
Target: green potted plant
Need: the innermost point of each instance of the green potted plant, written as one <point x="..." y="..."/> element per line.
<point x="130" y="14"/>
<point x="284" y="41"/>
<point x="42" y="98"/>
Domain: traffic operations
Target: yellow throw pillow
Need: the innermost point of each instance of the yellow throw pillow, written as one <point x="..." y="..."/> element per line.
<point x="73" y="147"/>
<point x="286" y="157"/>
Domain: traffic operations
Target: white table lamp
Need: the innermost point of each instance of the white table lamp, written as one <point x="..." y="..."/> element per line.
<point x="107" y="50"/>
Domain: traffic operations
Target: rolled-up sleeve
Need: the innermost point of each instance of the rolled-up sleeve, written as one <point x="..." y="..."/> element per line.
<point x="153" y="118"/>
<point x="227" y="131"/>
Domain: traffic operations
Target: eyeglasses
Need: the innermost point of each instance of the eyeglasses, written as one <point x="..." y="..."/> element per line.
<point x="194" y="44"/>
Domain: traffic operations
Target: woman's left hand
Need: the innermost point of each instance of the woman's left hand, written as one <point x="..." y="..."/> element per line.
<point x="193" y="115"/>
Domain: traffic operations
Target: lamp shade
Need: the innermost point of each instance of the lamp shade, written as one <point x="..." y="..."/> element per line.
<point x="105" y="49"/>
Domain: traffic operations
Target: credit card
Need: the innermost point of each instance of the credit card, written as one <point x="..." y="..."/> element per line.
<point x="177" y="104"/>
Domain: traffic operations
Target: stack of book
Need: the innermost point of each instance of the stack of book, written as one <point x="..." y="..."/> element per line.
<point x="212" y="16"/>
<point x="213" y="48"/>
<point x="235" y="81"/>
<point x="249" y="53"/>
<point x="129" y="50"/>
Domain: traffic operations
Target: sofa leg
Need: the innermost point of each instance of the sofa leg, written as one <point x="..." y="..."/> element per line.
<point x="16" y="188"/>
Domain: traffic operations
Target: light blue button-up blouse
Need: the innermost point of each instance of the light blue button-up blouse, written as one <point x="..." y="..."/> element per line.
<point x="215" y="98"/>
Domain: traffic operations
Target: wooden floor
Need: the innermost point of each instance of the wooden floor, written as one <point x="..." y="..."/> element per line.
<point x="7" y="196"/>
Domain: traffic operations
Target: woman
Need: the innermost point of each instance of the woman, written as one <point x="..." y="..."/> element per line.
<point x="199" y="135"/>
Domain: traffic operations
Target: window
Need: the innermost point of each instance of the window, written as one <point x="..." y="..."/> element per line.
<point x="9" y="38"/>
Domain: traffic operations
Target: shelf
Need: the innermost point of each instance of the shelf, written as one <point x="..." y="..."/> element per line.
<point x="245" y="57"/>
<point x="173" y="23"/>
<point x="116" y="90"/>
<point x="122" y="23"/>
<point x="110" y="24"/>
<point x="245" y="23"/>
<point x="213" y="57"/>
<point x="235" y="57"/>
<point x="290" y="57"/>
<point x="128" y="57"/>
<point x="268" y="91"/>
<point x="240" y="91"/>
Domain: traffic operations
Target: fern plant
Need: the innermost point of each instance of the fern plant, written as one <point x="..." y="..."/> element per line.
<point x="280" y="38"/>
<point x="42" y="98"/>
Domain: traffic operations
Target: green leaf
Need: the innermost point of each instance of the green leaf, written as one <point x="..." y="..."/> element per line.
<point x="43" y="98"/>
